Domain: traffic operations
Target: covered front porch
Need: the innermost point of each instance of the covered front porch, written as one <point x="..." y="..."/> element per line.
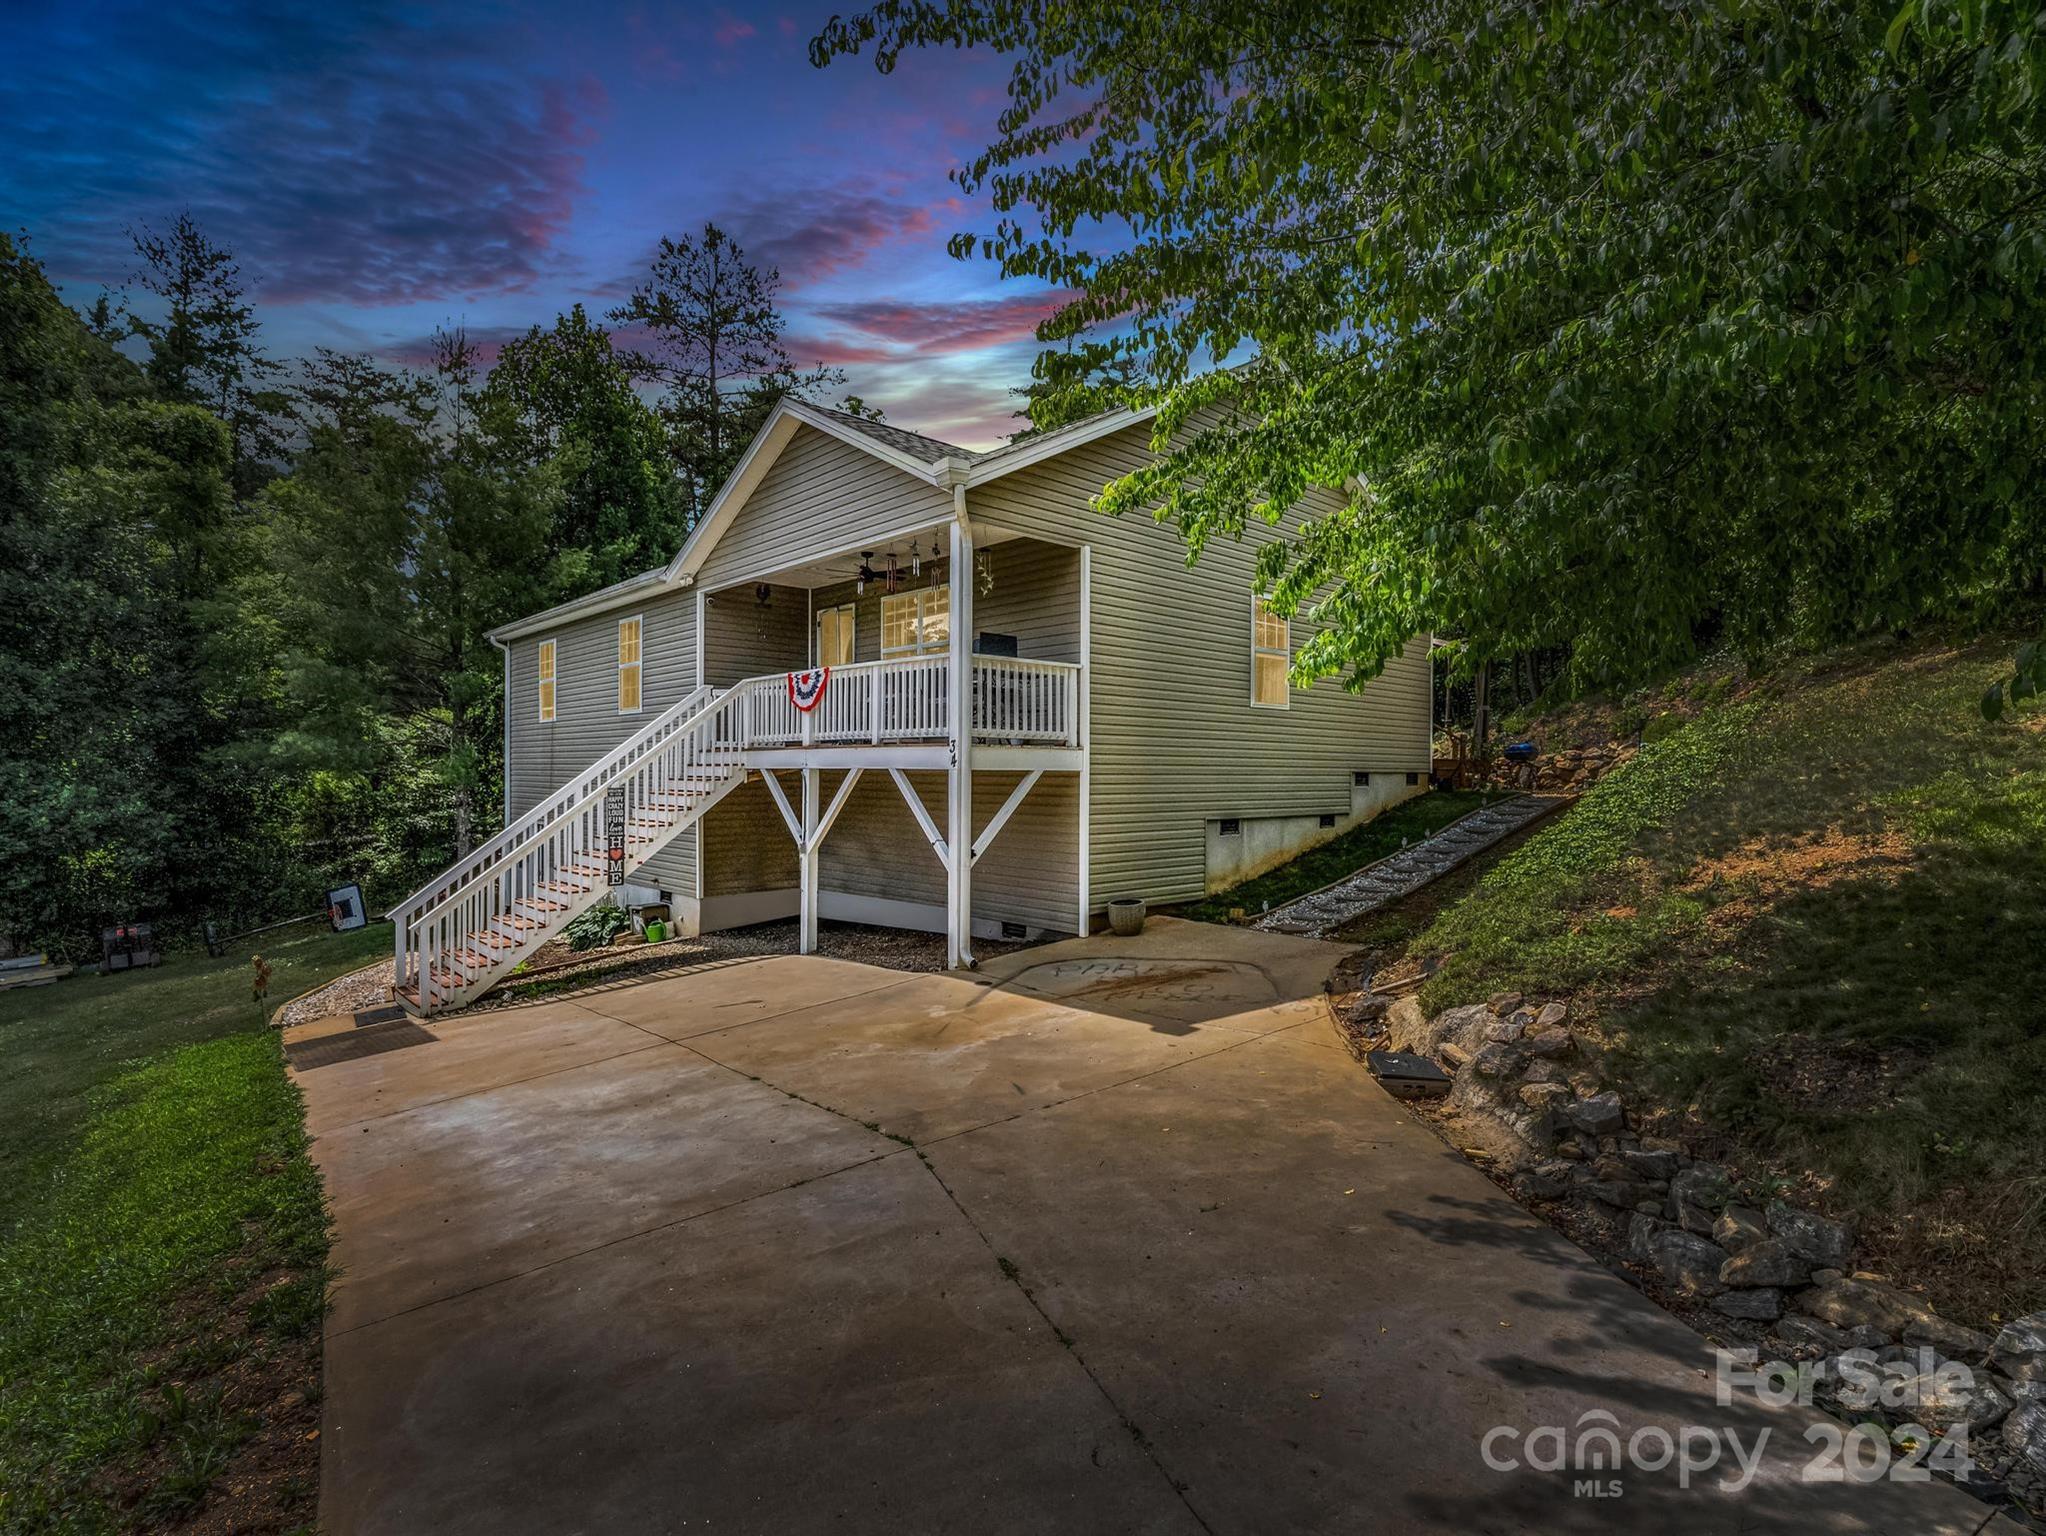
<point x="954" y="712"/>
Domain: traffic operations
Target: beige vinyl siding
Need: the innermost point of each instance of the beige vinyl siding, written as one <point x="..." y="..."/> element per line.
<point x="744" y="637"/>
<point x="746" y="844"/>
<point x="1035" y="597"/>
<point x="1176" y="740"/>
<point x="1028" y="874"/>
<point x="587" y="724"/>
<point x="821" y="497"/>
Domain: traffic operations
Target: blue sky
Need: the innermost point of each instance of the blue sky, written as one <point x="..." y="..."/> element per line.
<point x="381" y="169"/>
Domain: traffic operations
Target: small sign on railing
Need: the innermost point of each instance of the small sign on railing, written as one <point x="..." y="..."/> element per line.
<point x="614" y="835"/>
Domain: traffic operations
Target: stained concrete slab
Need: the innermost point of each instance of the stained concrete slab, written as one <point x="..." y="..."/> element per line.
<point x="468" y="1054"/>
<point x="937" y="1055"/>
<point x="1315" y="1309"/>
<point x="846" y="1356"/>
<point x="713" y="997"/>
<point x="1162" y="1258"/>
<point x="467" y="1191"/>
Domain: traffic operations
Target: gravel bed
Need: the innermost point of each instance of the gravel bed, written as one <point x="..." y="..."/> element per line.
<point x="369" y="987"/>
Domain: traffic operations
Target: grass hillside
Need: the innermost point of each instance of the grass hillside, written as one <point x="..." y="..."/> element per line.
<point x="163" y="1246"/>
<point x="1808" y="921"/>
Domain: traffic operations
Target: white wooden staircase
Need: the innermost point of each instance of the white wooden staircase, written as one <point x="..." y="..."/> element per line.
<point x="464" y="931"/>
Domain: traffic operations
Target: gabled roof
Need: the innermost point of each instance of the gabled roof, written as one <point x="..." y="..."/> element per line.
<point x="923" y="458"/>
<point x="928" y="449"/>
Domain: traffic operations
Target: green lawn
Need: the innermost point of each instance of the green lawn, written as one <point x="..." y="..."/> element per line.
<point x="1808" y="923"/>
<point x="162" y="1270"/>
<point x="1385" y="833"/>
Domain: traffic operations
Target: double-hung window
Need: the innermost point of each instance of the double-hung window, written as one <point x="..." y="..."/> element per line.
<point x="1271" y="652"/>
<point x="916" y="623"/>
<point x="546" y="680"/>
<point x="629" y="631"/>
<point x="835" y="636"/>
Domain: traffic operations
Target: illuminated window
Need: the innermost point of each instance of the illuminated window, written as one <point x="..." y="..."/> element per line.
<point x="628" y="666"/>
<point x="916" y="623"/>
<point x="1270" y="654"/>
<point x="546" y="680"/>
<point x="835" y="636"/>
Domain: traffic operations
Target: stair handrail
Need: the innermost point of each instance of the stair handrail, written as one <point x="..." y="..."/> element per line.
<point x="556" y="804"/>
<point x="722" y="702"/>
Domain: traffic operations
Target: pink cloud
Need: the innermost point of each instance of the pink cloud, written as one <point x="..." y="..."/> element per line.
<point x="730" y="31"/>
<point x="810" y="235"/>
<point x="938" y="328"/>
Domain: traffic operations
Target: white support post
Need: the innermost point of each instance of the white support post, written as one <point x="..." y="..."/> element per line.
<point x="959" y="797"/>
<point x="1086" y="733"/>
<point x="806" y="942"/>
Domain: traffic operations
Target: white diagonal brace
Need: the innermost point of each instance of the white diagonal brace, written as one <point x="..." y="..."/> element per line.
<point x="923" y="817"/>
<point x="852" y="777"/>
<point x="782" y="803"/>
<point x="980" y="844"/>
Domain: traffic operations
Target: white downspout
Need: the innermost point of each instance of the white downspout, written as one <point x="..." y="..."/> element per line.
<point x="960" y="833"/>
<point x="507" y="725"/>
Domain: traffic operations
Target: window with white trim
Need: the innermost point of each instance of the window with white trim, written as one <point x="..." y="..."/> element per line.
<point x="1271" y="652"/>
<point x="835" y="636"/>
<point x="629" y="632"/>
<point x="546" y="680"/>
<point x="916" y="623"/>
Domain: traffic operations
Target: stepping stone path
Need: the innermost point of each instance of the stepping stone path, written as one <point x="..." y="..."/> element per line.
<point x="1408" y="870"/>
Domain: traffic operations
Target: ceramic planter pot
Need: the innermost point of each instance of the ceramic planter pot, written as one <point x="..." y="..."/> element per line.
<point x="1126" y="917"/>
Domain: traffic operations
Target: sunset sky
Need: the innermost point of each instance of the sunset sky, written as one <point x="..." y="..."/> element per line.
<point x="381" y="169"/>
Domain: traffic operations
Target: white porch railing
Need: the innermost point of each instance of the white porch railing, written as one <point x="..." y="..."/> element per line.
<point x="909" y="699"/>
<point x="465" y="929"/>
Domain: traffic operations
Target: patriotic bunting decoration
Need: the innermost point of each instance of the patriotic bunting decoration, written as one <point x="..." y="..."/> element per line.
<point x="806" y="689"/>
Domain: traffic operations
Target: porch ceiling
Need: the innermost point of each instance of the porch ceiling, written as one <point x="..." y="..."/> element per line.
<point x="829" y="570"/>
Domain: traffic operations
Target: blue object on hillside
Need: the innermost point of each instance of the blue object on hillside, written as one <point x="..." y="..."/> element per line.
<point x="1521" y="752"/>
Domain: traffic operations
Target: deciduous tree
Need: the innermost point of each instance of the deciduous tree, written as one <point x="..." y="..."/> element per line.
<point x="1620" y="324"/>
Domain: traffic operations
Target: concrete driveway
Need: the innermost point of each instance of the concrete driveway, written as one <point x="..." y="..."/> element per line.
<point x="1112" y="1237"/>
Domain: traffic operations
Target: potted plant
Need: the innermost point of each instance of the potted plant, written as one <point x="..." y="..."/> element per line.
<point x="1126" y="916"/>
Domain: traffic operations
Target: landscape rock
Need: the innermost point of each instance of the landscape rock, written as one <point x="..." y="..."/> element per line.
<point x="1764" y="1304"/>
<point x="1549" y="1044"/>
<point x="1702" y="1186"/>
<point x="1829" y="1244"/>
<point x="1552" y="1016"/>
<point x="1546" y="1181"/>
<point x="1952" y="1395"/>
<point x="1598" y="1115"/>
<point x="1610" y="1165"/>
<point x="1827" y="1276"/>
<point x="1688" y="1261"/>
<point x="1952" y="1340"/>
<point x="1651" y="1165"/>
<point x="1621" y="1194"/>
<point x="1503" y="1002"/>
<point x="1740" y="1227"/>
<point x="2020" y="1348"/>
<point x="1542" y="1097"/>
<point x="1767" y="1263"/>
<point x="1406" y="1027"/>
<point x="1461" y="1027"/>
<point x="1641" y="1234"/>
<point x="1797" y="1329"/>
<point x="1854" y="1304"/>
<point x="2024" y="1435"/>
<point x="1455" y="1057"/>
<point x="1547" y="1072"/>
